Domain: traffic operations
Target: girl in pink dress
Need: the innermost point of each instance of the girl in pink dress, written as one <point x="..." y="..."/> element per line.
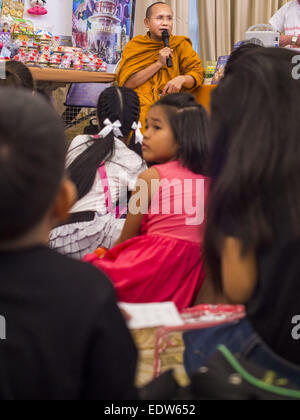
<point x="158" y="256"/>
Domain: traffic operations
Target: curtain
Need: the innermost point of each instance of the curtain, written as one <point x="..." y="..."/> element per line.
<point x="181" y="13"/>
<point x="224" y="22"/>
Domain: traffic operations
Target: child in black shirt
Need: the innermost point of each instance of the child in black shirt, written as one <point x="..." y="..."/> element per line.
<point x="65" y="337"/>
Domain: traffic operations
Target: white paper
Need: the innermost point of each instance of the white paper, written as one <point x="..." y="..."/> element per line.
<point x="5" y="52"/>
<point x="152" y="315"/>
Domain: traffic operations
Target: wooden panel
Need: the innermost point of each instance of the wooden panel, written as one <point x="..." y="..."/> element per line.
<point x="70" y="76"/>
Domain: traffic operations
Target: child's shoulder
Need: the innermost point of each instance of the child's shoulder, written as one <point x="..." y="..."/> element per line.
<point x="150" y="174"/>
<point x="77" y="147"/>
<point x="127" y="157"/>
<point x="78" y="141"/>
<point x="77" y="274"/>
<point x="164" y="169"/>
<point x="175" y="169"/>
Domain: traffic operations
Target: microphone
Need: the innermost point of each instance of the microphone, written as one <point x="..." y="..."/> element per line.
<point x="166" y="40"/>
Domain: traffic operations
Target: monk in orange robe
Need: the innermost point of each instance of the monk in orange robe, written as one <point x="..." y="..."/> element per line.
<point x="144" y="62"/>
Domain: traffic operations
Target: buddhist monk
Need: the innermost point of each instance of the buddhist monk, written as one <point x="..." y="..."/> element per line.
<point x="144" y="62"/>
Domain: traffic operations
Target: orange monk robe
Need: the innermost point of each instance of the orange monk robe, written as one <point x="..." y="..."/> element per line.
<point x="142" y="51"/>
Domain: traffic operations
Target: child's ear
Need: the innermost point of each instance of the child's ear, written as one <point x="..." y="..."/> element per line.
<point x="64" y="201"/>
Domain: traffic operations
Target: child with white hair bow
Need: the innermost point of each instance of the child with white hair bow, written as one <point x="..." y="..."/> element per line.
<point x="104" y="170"/>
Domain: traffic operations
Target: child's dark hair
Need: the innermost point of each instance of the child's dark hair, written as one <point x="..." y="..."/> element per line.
<point x="255" y="153"/>
<point x="11" y="80"/>
<point x="189" y="123"/>
<point x="32" y="159"/>
<point x="17" y="75"/>
<point x="115" y="103"/>
<point x="240" y="52"/>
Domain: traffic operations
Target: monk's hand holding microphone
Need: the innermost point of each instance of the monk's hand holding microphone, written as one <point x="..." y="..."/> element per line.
<point x="164" y="55"/>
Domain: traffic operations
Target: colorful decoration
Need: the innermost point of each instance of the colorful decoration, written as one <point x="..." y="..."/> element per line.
<point x="14" y="8"/>
<point x="5" y="24"/>
<point x="38" y="8"/>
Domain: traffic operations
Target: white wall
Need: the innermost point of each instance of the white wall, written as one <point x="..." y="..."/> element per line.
<point x="59" y="17"/>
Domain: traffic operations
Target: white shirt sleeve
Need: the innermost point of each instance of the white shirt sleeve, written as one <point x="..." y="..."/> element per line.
<point x="133" y="176"/>
<point x="128" y="177"/>
<point x="278" y="20"/>
<point x="78" y="146"/>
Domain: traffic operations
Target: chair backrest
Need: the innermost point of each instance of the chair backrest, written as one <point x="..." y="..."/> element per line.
<point x="85" y="95"/>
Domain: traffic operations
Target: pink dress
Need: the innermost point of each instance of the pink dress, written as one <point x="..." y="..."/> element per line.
<point x="164" y="263"/>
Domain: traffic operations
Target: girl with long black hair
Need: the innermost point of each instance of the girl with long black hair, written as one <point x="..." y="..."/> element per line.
<point x="103" y="169"/>
<point x="252" y="239"/>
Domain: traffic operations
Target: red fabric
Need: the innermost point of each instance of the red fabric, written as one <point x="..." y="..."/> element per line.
<point x="154" y="269"/>
<point x="37" y="10"/>
<point x="172" y="212"/>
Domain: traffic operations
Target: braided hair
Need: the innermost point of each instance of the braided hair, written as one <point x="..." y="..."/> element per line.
<point x="115" y="103"/>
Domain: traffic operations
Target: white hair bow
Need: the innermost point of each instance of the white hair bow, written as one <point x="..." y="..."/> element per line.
<point x="109" y="127"/>
<point x="138" y="134"/>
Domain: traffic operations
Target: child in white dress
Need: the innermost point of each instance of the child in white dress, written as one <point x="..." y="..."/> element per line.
<point x="104" y="170"/>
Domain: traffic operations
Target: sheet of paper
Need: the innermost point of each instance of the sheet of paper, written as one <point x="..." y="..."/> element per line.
<point x="151" y="315"/>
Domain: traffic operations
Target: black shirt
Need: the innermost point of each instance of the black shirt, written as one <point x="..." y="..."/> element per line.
<point x="65" y="336"/>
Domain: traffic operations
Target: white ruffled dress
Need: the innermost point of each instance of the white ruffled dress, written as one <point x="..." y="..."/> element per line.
<point x="78" y="239"/>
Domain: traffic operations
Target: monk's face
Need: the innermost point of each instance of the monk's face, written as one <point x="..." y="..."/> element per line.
<point x="161" y="19"/>
<point x="159" y="144"/>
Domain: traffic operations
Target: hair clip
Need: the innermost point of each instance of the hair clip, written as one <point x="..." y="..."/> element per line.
<point x="109" y="127"/>
<point x="138" y="134"/>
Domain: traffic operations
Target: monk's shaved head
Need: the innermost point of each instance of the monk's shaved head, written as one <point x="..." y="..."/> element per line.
<point x="149" y="10"/>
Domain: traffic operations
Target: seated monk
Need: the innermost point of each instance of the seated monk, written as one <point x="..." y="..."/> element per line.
<point x="144" y="63"/>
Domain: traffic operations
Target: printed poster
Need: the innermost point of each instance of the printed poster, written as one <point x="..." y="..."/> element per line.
<point x="103" y="27"/>
<point x="220" y="69"/>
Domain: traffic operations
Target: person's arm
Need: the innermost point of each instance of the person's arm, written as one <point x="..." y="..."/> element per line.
<point x="192" y="72"/>
<point x="239" y="272"/>
<point x="139" y="205"/>
<point x="141" y="77"/>
<point x="175" y="85"/>
<point x="286" y="40"/>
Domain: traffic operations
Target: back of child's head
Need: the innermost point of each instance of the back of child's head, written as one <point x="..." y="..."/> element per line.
<point x="17" y="75"/>
<point x="32" y="159"/>
<point x="255" y="148"/>
<point x="255" y="114"/>
<point x="114" y="104"/>
<point x="189" y="123"/>
<point x="119" y="104"/>
<point x="11" y="79"/>
<point x="240" y="52"/>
